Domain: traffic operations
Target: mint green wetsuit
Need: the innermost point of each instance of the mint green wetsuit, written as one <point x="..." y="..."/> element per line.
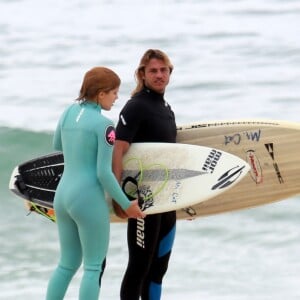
<point x="86" y="139"/>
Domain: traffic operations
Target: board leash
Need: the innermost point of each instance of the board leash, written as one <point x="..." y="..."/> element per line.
<point x="138" y="179"/>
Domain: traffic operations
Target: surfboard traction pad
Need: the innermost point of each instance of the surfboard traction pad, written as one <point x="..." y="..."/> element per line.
<point x="47" y="177"/>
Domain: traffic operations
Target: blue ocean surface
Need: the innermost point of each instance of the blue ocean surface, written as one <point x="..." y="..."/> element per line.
<point x="233" y="59"/>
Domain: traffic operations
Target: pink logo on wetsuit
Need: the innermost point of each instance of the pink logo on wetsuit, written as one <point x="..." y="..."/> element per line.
<point x="110" y="135"/>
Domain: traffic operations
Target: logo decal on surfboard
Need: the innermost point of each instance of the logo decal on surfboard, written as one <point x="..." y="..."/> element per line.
<point x="256" y="170"/>
<point x="211" y="161"/>
<point x="228" y="178"/>
<point x="270" y="149"/>
<point x="145" y="197"/>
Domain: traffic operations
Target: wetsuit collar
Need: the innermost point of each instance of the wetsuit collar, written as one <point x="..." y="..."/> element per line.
<point x="156" y="95"/>
<point x="92" y="104"/>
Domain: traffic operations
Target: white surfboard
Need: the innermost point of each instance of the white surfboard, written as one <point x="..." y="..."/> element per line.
<point x="166" y="176"/>
<point x="171" y="175"/>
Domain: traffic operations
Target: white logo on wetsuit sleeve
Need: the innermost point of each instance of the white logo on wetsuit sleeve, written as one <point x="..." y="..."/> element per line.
<point x="79" y="115"/>
<point x="123" y="120"/>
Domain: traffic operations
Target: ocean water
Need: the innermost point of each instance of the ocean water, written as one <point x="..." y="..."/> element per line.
<point x="234" y="59"/>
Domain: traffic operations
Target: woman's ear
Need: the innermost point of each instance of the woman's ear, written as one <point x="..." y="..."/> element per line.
<point x="100" y="97"/>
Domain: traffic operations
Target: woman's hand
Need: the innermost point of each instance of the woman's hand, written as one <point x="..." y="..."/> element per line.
<point x="134" y="211"/>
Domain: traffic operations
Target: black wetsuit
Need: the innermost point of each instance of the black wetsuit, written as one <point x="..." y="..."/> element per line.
<point x="147" y="117"/>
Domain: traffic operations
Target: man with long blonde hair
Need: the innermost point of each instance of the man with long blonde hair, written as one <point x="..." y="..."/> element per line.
<point x="146" y="117"/>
